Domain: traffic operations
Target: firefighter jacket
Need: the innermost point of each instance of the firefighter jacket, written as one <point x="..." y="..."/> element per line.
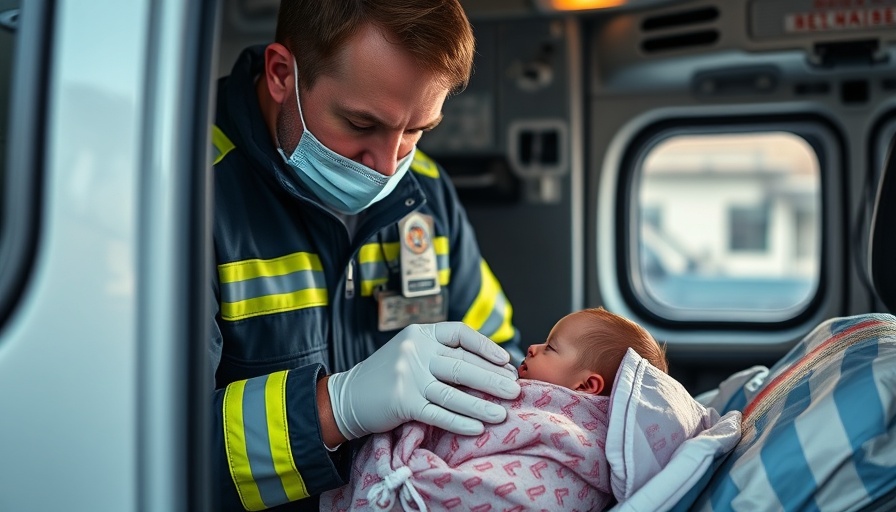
<point x="297" y="297"/>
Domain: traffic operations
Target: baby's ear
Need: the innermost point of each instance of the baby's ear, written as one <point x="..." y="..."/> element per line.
<point x="593" y="384"/>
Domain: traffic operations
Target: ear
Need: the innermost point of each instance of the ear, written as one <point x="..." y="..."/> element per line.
<point x="593" y="384"/>
<point x="278" y="72"/>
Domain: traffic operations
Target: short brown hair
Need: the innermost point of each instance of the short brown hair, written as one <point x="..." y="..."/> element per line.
<point x="607" y="339"/>
<point x="436" y="32"/>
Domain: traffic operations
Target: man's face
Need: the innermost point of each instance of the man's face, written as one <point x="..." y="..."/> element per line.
<point x="374" y="107"/>
<point x="555" y="360"/>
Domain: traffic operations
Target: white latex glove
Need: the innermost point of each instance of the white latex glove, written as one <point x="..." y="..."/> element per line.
<point x="409" y="379"/>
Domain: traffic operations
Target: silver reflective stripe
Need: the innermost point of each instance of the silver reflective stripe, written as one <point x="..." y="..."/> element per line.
<point x="258" y="445"/>
<point x="272" y="285"/>
<point x="496" y="318"/>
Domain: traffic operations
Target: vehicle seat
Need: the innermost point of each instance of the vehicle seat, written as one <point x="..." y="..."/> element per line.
<point x="882" y="242"/>
<point x="818" y="425"/>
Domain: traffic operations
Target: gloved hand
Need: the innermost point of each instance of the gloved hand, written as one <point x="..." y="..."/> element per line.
<point x="408" y="379"/>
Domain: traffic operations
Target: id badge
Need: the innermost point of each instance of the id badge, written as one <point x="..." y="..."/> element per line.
<point x="419" y="268"/>
<point x="397" y="311"/>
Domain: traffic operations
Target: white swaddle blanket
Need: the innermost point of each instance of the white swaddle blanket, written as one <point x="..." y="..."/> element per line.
<point x="660" y="441"/>
<point x="644" y="446"/>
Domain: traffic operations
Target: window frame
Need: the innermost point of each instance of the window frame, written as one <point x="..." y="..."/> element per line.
<point x="20" y="200"/>
<point x="821" y="135"/>
<point x="883" y="136"/>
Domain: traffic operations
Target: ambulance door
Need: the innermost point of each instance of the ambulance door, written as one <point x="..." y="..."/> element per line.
<point x="104" y="240"/>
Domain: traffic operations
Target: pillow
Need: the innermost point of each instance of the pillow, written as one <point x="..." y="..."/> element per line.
<point x="660" y="441"/>
<point x="735" y="391"/>
<point x="819" y="432"/>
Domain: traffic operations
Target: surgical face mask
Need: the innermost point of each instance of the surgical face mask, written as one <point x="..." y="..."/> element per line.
<point x="339" y="182"/>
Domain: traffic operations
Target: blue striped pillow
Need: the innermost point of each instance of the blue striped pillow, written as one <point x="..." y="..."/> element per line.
<point x="820" y="431"/>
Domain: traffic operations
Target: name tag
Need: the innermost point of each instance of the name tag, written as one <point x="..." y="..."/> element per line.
<point x="397" y="311"/>
<point x="419" y="268"/>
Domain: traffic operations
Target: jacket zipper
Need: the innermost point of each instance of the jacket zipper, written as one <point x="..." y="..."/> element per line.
<point x="349" y="279"/>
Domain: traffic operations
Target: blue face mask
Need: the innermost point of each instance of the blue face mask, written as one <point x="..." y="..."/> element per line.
<point x="339" y="182"/>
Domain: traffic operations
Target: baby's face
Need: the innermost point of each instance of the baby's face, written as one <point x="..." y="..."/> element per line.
<point x="555" y="360"/>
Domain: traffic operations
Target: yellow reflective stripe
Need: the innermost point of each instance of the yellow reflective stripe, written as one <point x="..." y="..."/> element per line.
<point x="484" y="305"/>
<point x="287" y="268"/>
<point x="424" y="165"/>
<point x="389" y="251"/>
<point x="370" y="253"/>
<point x="441" y="244"/>
<point x="444" y="276"/>
<point x="221" y="142"/>
<point x="506" y="331"/>
<point x="278" y="434"/>
<point x="369" y="285"/>
<point x="235" y="446"/>
<point x="485" y="301"/>
<point x="374" y="252"/>
<point x="250" y="269"/>
<point x="274" y="303"/>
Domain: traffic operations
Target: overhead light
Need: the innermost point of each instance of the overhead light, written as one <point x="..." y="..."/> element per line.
<point x="578" y="5"/>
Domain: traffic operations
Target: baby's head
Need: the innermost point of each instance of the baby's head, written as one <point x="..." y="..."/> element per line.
<point x="584" y="350"/>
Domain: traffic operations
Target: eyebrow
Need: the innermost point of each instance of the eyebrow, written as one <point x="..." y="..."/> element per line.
<point x="372" y="119"/>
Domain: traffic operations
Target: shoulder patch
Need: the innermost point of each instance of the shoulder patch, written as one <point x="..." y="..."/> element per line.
<point x="221" y="145"/>
<point x="424" y="165"/>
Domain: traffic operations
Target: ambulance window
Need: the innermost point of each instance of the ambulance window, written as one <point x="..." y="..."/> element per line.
<point x="727" y="224"/>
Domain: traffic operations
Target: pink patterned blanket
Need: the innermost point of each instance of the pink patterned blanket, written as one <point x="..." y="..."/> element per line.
<point x="547" y="455"/>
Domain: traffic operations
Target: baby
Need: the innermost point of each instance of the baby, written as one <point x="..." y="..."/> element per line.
<point x="547" y="455"/>
<point x="584" y="349"/>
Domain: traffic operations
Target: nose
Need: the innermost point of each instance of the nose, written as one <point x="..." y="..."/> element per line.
<point x="385" y="156"/>
<point x="530" y="352"/>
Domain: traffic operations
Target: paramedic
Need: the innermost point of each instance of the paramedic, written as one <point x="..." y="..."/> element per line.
<point x="339" y="247"/>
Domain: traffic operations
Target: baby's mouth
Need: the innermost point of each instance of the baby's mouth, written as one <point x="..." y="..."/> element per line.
<point x="523" y="368"/>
